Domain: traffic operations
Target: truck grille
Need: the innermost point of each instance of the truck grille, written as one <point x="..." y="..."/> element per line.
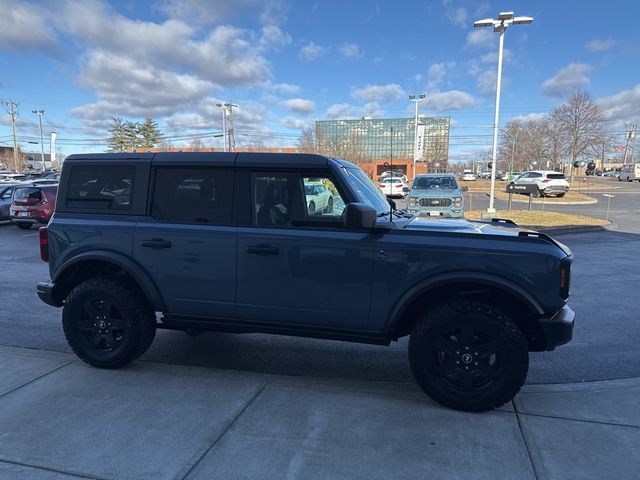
<point x="434" y="202"/>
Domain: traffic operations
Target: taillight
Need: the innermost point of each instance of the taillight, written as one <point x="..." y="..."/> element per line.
<point x="399" y="185"/>
<point x="44" y="244"/>
<point x="565" y="277"/>
<point x="382" y="184"/>
<point x="546" y="181"/>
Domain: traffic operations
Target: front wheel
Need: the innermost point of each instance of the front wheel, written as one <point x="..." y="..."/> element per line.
<point x="107" y="323"/>
<point x="312" y="208"/>
<point x="468" y="356"/>
<point x="329" y="208"/>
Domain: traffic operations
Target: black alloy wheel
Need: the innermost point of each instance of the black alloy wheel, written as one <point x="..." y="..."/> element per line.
<point x="107" y="323"/>
<point x="468" y="356"/>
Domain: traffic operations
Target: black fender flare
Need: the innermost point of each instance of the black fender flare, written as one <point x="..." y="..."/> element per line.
<point x="452" y="278"/>
<point x="131" y="267"/>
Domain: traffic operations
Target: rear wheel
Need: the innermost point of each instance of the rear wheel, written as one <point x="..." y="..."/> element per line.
<point x="312" y="208"/>
<point x="23" y="225"/>
<point x="468" y="356"/>
<point x="560" y="195"/>
<point x="329" y="205"/>
<point x="106" y="323"/>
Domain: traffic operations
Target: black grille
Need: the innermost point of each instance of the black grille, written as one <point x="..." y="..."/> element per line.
<point x="434" y="202"/>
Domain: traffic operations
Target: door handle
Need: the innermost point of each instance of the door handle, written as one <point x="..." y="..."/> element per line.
<point x="156" y="243"/>
<point x="262" y="250"/>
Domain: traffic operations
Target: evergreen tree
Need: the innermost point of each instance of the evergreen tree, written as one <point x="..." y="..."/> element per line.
<point x="149" y="133"/>
<point x="118" y="140"/>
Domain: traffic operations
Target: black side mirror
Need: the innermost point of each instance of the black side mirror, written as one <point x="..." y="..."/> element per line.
<point x="359" y="216"/>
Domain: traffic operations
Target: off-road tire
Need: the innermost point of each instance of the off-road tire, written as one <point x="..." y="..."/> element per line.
<point x="312" y="208"/>
<point x="23" y="225"/>
<point x="511" y="358"/>
<point x="132" y="312"/>
<point x="560" y="195"/>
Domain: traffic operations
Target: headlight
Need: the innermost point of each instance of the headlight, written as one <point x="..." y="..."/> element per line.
<point x="412" y="202"/>
<point x="457" y="201"/>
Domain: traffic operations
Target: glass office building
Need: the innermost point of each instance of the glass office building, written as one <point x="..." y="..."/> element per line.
<point x="380" y="138"/>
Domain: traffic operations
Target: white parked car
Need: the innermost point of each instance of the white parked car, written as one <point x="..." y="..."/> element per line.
<point x="548" y="183"/>
<point x="468" y="176"/>
<point x="319" y="198"/>
<point x="394" y="187"/>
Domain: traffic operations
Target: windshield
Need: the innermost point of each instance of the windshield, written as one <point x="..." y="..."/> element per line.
<point x="367" y="192"/>
<point x="435" y="182"/>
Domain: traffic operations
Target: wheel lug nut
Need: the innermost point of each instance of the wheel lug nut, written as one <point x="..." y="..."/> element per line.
<point x="457" y="363"/>
<point x="466" y="348"/>
<point x="466" y="368"/>
<point x="475" y="363"/>
<point x="457" y="352"/>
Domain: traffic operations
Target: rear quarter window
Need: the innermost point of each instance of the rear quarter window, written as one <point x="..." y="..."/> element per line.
<point x="556" y="176"/>
<point x="100" y="187"/>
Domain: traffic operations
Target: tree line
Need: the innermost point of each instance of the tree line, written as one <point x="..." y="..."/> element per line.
<point x="574" y="130"/>
<point x="125" y="135"/>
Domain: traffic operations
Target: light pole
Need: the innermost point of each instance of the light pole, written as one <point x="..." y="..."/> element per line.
<point x="416" y="150"/>
<point x="40" y="113"/>
<point x="499" y="25"/>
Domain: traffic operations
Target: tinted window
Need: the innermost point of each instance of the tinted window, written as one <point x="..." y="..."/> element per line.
<point x="193" y="195"/>
<point x="7" y="193"/>
<point x="435" y="182"/>
<point x="556" y="176"/>
<point x="100" y="187"/>
<point x="28" y="195"/>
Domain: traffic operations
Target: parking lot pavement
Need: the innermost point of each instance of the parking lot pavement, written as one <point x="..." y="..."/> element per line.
<point x="61" y="419"/>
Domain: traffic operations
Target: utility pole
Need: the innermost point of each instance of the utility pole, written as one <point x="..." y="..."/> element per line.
<point x="633" y="145"/>
<point x="40" y="113"/>
<point x="224" y="124"/>
<point x="231" y="131"/>
<point x="13" y="115"/>
<point x="630" y="134"/>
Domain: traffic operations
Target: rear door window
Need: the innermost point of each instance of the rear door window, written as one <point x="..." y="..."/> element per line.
<point x="193" y="195"/>
<point x="556" y="176"/>
<point x="101" y="187"/>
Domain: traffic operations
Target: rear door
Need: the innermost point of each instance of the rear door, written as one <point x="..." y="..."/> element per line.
<point x="187" y="243"/>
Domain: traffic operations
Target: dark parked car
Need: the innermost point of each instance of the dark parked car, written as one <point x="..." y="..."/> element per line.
<point x="6" y="194"/>
<point x="225" y="242"/>
<point x="33" y="204"/>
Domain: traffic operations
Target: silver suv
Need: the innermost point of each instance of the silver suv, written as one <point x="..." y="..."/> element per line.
<point x="436" y="195"/>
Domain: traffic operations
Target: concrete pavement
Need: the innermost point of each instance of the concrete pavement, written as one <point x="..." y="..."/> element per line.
<point x="60" y="419"/>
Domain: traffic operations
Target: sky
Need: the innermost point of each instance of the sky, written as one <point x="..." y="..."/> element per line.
<point x="289" y="63"/>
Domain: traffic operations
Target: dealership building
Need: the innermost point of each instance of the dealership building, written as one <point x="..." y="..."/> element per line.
<point x="377" y="143"/>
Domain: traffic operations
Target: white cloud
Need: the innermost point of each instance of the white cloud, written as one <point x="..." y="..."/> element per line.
<point x="272" y="36"/>
<point x="207" y="12"/>
<point x="487" y="83"/>
<point x="492" y="57"/>
<point x="379" y="93"/>
<point x="459" y="17"/>
<point x="294" y="123"/>
<point x="300" y="105"/>
<point x="450" y="100"/>
<point x="597" y="45"/>
<point x="567" y="80"/>
<point x="226" y="56"/>
<point x="350" y="50"/>
<point x="311" y="51"/>
<point x="286" y="88"/>
<point x="481" y="38"/>
<point x="125" y="87"/>
<point x="622" y="106"/>
<point x="24" y="27"/>
<point x="341" y="111"/>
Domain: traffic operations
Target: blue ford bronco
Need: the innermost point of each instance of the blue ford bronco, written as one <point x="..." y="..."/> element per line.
<point x="239" y="242"/>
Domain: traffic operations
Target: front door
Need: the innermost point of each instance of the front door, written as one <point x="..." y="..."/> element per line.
<point x="296" y="264"/>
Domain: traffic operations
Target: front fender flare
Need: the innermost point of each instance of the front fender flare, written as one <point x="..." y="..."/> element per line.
<point x="453" y="278"/>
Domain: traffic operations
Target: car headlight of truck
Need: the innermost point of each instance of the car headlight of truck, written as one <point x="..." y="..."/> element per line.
<point x="413" y="202"/>
<point x="457" y="201"/>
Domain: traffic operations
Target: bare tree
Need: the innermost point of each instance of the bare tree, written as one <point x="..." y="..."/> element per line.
<point x="256" y="146"/>
<point x="348" y="147"/>
<point x="307" y="141"/>
<point x="196" y="144"/>
<point x="583" y="122"/>
<point x="555" y="140"/>
<point x="164" y="145"/>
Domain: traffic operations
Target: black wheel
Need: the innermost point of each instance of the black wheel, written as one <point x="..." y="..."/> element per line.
<point x="23" y="225"/>
<point x="312" y="208"/>
<point x="560" y="195"/>
<point x="329" y="205"/>
<point x="538" y="193"/>
<point x="106" y="323"/>
<point x="468" y="356"/>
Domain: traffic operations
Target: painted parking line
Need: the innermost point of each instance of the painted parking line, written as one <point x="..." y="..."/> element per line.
<point x="30" y="235"/>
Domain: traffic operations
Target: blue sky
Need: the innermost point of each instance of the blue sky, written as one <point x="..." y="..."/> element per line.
<point x="288" y="63"/>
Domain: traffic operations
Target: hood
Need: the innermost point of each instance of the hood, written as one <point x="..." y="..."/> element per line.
<point x="462" y="226"/>
<point x="434" y="193"/>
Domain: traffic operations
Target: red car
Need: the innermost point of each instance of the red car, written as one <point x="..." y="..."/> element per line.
<point x="33" y="204"/>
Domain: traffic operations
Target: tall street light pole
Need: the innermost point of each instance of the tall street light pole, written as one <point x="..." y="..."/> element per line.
<point x="416" y="152"/>
<point x="499" y="25"/>
<point x="40" y="113"/>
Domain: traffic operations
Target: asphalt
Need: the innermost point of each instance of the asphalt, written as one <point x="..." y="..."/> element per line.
<point x="61" y="419"/>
